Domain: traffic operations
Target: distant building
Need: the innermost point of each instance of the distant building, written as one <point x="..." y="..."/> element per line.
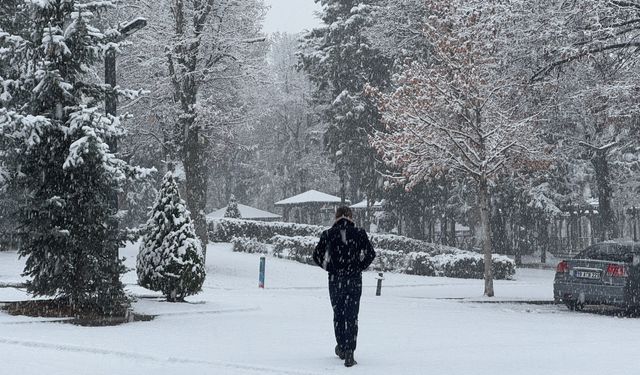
<point x="310" y="207"/>
<point x="247" y="213"/>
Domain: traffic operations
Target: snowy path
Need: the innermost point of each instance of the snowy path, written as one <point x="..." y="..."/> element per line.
<point x="419" y="325"/>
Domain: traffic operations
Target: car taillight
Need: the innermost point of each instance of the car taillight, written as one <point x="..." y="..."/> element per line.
<point x="616" y="270"/>
<point x="562" y="267"/>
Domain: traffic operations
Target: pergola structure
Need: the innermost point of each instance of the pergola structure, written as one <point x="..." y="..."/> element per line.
<point x="310" y="207"/>
<point x="364" y="205"/>
<point x="360" y="212"/>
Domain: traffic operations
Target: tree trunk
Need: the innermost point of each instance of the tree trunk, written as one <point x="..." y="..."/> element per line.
<point x="485" y="233"/>
<point x="413" y="226"/>
<point x="516" y="242"/>
<point x="608" y="227"/>
<point x="443" y="231"/>
<point x="368" y="214"/>
<point x="186" y="82"/>
<point x="453" y="241"/>
<point x="195" y="167"/>
<point x="343" y="186"/>
<point x="543" y="236"/>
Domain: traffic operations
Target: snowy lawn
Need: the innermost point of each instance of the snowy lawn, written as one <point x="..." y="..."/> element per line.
<point x="420" y="325"/>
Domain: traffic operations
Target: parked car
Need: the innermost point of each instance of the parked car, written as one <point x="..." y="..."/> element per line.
<point x="605" y="273"/>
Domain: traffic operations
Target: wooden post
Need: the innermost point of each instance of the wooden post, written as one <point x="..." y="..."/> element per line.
<point x="380" y="277"/>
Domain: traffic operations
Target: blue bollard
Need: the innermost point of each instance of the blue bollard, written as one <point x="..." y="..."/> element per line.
<point x="262" y="269"/>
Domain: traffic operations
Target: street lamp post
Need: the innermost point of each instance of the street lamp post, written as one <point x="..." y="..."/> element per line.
<point x="110" y="106"/>
<point x="111" y="99"/>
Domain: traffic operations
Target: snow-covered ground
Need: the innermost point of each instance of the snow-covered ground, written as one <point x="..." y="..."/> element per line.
<point x="420" y="325"/>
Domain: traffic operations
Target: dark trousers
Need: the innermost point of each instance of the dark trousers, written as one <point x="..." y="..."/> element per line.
<point x="345" y="295"/>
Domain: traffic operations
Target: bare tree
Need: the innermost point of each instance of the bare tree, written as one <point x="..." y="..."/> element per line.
<point x="464" y="112"/>
<point x="211" y="37"/>
<point x="579" y="29"/>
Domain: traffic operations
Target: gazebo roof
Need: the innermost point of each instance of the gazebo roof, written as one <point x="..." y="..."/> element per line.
<point x="363" y="204"/>
<point x="311" y="196"/>
<point x="246" y="212"/>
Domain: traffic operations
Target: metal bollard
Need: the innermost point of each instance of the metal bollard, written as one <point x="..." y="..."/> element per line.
<point x="262" y="271"/>
<point x="379" y="287"/>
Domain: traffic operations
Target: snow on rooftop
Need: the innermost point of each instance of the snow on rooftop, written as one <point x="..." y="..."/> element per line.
<point x="246" y="212"/>
<point x="363" y="204"/>
<point x="311" y="196"/>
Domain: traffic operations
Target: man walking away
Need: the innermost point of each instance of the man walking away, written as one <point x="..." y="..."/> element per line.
<point x="344" y="251"/>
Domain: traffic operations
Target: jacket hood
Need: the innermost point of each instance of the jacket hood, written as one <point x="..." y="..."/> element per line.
<point x="343" y="223"/>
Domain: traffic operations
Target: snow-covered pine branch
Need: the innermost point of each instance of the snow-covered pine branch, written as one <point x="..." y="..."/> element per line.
<point x="54" y="145"/>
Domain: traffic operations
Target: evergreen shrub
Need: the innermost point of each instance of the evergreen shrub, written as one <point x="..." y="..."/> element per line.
<point x="170" y="258"/>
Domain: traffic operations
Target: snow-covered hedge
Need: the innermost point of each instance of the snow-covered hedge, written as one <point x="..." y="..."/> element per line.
<point x="444" y="261"/>
<point x="298" y="248"/>
<point x="470" y="265"/>
<point x="223" y="230"/>
<point x="419" y="263"/>
<point x="402" y="244"/>
<point x="248" y="245"/>
<point x="456" y="263"/>
<point x="394" y="253"/>
<point x="388" y="260"/>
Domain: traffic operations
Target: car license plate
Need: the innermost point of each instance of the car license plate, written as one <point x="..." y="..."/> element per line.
<point x="587" y="274"/>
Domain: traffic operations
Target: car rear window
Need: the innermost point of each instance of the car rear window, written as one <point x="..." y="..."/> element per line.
<point x="610" y="251"/>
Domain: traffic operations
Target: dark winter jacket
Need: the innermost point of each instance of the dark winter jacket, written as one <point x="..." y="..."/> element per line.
<point x="344" y="249"/>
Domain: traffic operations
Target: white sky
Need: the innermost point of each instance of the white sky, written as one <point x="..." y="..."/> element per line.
<point x="291" y="16"/>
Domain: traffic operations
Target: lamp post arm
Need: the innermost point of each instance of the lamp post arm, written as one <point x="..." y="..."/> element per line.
<point x="127" y="29"/>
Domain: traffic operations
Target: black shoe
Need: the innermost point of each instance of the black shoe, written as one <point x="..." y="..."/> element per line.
<point x="348" y="359"/>
<point x="339" y="352"/>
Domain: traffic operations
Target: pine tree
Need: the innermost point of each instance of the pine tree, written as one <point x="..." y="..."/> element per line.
<point x="59" y="156"/>
<point x="341" y="60"/>
<point x="170" y="258"/>
<point x="232" y="209"/>
<point x="12" y="30"/>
